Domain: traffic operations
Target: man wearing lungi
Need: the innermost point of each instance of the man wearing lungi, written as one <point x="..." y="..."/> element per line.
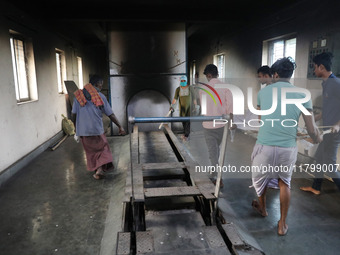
<point x="88" y="106"/>
<point x="275" y="152"/>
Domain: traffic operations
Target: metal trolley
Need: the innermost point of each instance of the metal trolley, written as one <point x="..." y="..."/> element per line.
<point x="168" y="208"/>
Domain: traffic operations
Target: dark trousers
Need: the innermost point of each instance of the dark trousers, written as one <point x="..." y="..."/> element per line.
<point x="186" y="127"/>
<point x="325" y="158"/>
<point x="213" y="139"/>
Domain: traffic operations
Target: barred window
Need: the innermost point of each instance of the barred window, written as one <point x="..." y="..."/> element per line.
<point x="23" y="68"/>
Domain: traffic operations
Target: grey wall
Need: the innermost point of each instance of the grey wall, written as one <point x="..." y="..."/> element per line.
<point x="309" y="20"/>
<point x="145" y="57"/>
<point x="24" y="127"/>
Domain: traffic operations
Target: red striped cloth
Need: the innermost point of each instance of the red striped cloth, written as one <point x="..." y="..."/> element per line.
<point x="80" y="97"/>
<point x="95" y="97"/>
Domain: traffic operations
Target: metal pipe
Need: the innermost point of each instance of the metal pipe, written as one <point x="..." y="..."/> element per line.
<point x="176" y="119"/>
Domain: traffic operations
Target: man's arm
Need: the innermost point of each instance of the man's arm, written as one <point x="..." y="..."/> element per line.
<point x="318" y="116"/>
<point x="312" y="129"/>
<point x="173" y="104"/>
<point x="174" y="101"/>
<point x="336" y="127"/>
<point x="73" y="118"/>
<point x="115" y="120"/>
<point x="258" y="116"/>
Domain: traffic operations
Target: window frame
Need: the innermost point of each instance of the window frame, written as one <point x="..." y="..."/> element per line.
<point x="193" y="71"/>
<point x="80" y="72"/>
<point x="23" y="67"/>
<point x="270" y="47"/>
<point x="17" y="79"/>
<point x="61" y="70"/>
<point x="221" y="69"/>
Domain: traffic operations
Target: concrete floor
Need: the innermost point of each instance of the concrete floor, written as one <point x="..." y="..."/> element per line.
<point x="314" y="221"/>
<point x="54" y="206"/>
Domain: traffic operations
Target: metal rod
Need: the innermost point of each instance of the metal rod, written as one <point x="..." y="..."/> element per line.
<point x="160" y="126"/>
<point x="177" y="119"/>
<point x="221" y="158"/>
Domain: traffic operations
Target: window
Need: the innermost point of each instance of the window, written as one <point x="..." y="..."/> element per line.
<point x="61" y="70"/>
<point x="281" y="48"/>
<point x="219" y="61"/>
<point x="23" y="67"/>
<point x="80" y="72"/>
<point x="193" y="72"/>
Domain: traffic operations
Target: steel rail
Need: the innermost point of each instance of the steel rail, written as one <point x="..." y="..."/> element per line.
<point x="176" y="119"/>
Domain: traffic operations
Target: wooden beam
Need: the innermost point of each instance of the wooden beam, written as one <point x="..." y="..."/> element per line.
<point x="167" y="165"/>
<point x="172" y="192"/>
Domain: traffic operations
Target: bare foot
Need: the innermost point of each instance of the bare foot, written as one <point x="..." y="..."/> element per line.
<point x="96" y="176"/>
<point x="282" y="228"/>
<point x="310" y="189"/>
<point x="258" y="209"/>
<point x="99" y="174"/>
<point x="184" y="138"/>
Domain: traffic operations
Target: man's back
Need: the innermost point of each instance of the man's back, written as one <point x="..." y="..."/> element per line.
<point x="279" y="130"/>
<point x="216" y="108"/>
